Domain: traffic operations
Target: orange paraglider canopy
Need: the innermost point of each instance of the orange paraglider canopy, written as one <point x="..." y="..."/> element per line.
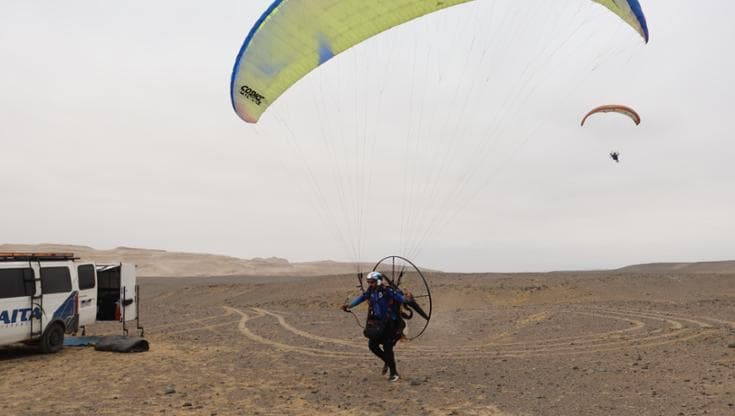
<point x="615" y="108"/>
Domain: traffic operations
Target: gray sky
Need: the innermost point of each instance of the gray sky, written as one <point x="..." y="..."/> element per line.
<point x="116" y="130"/>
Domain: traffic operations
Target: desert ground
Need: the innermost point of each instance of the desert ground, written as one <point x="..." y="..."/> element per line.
<point x="564" y="343"/>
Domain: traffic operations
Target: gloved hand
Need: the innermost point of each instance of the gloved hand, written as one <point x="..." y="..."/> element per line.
<point x="344" y="307"/>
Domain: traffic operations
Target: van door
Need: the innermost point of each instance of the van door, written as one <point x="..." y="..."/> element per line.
<point x="16" y="288"/>
<point x="60" y="300"/>
<point x="87" y="277"/>
<point x="128" y="295"/>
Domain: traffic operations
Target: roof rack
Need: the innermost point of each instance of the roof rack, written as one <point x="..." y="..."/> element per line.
<point x="37" y="256"/>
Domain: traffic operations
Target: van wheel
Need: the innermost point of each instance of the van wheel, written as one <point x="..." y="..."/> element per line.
<point x="53" y="339"/>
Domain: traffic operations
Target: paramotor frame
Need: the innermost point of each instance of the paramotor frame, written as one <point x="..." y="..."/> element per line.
<point x="404" y="275"/>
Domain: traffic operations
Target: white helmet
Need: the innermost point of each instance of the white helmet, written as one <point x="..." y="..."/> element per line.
<point x="377" y="276"/>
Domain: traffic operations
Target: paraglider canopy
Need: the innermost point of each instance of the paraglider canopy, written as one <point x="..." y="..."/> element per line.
<point x="615" y="108"/>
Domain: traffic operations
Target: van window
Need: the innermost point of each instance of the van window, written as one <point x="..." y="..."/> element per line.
<point x="55" y="280"/>
<point x="86" y="276"/>
<point x="16" y="283"/>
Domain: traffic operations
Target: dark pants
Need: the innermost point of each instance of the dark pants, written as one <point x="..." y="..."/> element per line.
<point x="389" y="339"/>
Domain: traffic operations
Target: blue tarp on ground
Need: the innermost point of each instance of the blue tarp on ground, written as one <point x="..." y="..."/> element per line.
<point x="80" y="341"/>
<point x="117" y="343"/>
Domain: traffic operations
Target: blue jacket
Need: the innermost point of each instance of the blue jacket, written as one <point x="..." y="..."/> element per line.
<point x="384" y="302"/>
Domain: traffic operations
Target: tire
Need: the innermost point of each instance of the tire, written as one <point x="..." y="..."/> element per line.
<point x="53" y="339"/>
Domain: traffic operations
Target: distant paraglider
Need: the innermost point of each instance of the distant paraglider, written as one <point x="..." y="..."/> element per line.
<point x="614" y="108"/>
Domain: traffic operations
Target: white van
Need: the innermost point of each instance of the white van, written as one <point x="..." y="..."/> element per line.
<point x="46" y="295"/>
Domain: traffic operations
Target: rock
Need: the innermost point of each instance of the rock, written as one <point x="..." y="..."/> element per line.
<point x="169" y="390"/>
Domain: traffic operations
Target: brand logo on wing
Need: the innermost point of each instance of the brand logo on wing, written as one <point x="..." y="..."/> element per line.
<point x="251" y="94"/>
<point x="18" y="316"/>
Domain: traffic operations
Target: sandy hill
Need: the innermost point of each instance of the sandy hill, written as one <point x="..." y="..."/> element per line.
<point x="694" y="267"/>
<point x="175" y="264"/>
<point x="166" y="263"/>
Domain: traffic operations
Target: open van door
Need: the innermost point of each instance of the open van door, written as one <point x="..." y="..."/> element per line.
<point x="128" y="293"/>
<point x="87" y="277"/>
<point x="117" y="294"/>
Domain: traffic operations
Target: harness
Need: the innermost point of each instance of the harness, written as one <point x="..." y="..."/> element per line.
<point x="377" y="328"/>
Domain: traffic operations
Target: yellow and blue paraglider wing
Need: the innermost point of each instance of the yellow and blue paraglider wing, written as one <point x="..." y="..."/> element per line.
<point x="293" y="37"/>
<point x="631" y="12"/>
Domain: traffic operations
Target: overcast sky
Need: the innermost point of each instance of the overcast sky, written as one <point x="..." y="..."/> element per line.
<point x="116" y="129"/>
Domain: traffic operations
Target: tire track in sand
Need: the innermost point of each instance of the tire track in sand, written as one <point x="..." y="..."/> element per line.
<point x="676" y="329"/>
<point x="242" y="327"/>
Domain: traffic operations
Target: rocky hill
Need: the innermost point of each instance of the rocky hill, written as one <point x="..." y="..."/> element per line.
<point x="165" y="263"/>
